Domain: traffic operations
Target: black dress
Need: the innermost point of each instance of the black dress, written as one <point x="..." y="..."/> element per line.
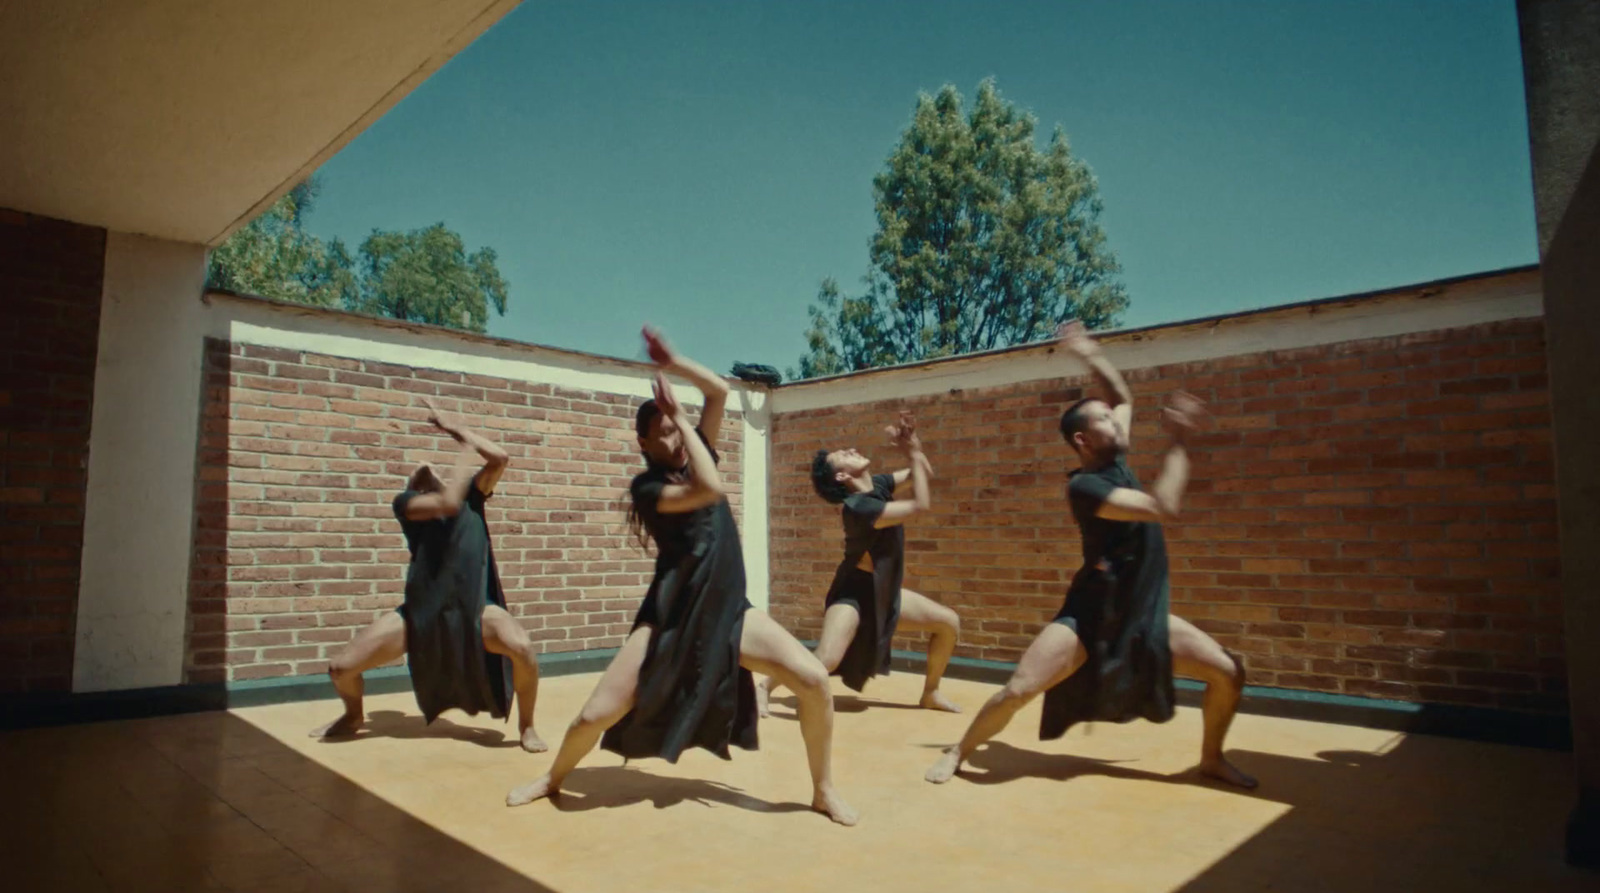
<point x="692" y="691"/>
<point x="451" y="577"/>
<point x="1117" y="603"/>
<point x="876" y="594"/>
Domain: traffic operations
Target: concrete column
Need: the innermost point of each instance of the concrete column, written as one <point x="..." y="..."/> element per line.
<point x="139" y="508"/>
<point x="1561" y="63"/>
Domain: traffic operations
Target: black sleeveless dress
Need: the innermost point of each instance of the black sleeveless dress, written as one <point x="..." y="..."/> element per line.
<point x="1117" y="603"/>
<point x="875" y="595"/>
<point x="692" y="691"/>
<point x="451" y="577"/>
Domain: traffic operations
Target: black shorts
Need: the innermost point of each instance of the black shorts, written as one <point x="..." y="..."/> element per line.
<point x="856" y="590"/>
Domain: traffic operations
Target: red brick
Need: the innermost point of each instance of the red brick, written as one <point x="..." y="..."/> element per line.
<point x="329" y="477"/>
<point x="1302" y="525"/>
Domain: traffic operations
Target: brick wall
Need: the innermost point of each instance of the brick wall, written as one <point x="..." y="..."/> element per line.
<point x="50" y="282"/>
<point x="296" y="546"/>
<point x="1373" y="518"/>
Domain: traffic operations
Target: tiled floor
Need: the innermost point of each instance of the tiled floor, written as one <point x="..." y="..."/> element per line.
<point x="245" y="801"/>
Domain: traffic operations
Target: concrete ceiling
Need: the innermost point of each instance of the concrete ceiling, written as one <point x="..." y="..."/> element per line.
<point x="183" y="119"/>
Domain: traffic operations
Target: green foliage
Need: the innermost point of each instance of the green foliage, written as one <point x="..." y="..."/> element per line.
<point x="983" y="241"/>
<point x="425" y="275"/>
<point x="272" y="256"/>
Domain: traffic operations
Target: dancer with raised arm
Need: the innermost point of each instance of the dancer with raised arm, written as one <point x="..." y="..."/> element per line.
<point x="465" y="650"/>
<point x="866" y="605"/>
<point x="1110" y="653"/>
<point x="683" y="676"/>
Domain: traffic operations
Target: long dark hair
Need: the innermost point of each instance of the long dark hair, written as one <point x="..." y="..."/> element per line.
<point x="648" y="410"/>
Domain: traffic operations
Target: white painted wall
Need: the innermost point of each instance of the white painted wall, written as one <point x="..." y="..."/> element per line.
<point x="139" y="508"/>
<point x="1516" y="295"/>
<point x="247" y="321"/>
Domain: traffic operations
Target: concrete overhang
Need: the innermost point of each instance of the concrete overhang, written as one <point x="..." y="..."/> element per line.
<point x="184" y="120"/>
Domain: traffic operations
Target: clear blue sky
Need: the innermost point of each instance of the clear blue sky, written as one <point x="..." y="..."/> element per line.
<point x="705" y="165"/>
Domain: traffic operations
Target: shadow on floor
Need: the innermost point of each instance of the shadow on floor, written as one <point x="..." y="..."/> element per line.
<point x="998" y="762"/>
<point x="841" y="704"/>
<point x="1429" y="814"/>
<point x="207" y="801"/>
<point x="604" y="787"/>
<point x="394" y="724"/>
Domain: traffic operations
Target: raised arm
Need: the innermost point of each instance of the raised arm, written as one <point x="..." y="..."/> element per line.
<point x="904" y="436"/>
<point x="1075" y="340"/>
<point x="1180" y="417"/>
<point x="711" y="385"/>
<point x="494" y="458"/>
<point x="904" y="474"/>
<point x="704" y="486"/>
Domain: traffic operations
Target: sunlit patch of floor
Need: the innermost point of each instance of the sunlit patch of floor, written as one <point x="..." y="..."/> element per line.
<point x="245" y="801"/>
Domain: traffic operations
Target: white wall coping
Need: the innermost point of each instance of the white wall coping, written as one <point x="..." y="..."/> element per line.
<point x="246" y="318"/>
<point x="1470" y="300"/>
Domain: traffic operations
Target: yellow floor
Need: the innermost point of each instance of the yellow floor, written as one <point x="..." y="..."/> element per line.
<point x="245" y="801"/>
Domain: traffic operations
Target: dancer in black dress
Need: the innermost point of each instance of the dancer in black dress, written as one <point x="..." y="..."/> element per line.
<point x="866" y="604"/>
<point x="465" y="650"/>
<point x="1110" y="654"/>
<point x="683" y="676"/>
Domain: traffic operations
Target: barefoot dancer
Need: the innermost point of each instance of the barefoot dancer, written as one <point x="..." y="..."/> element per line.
<point x="1110" y="653"/>
<point x="866" y="604"/>
<point x="683" y="676"/>
<point x="465" y="650"/>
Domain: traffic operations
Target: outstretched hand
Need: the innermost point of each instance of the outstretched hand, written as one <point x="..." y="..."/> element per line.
<point x="661" y="353"/>
<point x="1183" y="414"/>
<point x="448" y="424"/>
<point x="666" y="400"/>
<point x="1074" y="339"/>
<point x="903" y="434"/>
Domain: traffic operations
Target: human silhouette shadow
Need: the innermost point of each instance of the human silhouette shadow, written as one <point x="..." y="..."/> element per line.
<point x="841" y="704"/>
<point x="611" y="787"/>
<point x="999" y="762"/>
<point x="394" y="724"/>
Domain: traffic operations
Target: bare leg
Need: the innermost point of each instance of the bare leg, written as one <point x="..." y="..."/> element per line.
<point x="1196" y="655"/>
<point x="502" y="634"/>
<point x="611" y="700"/>
<point x="768" y="648"/>
<point x="918" y="613"/>
<point x="382" y="642"/>
<point x="838" y="628"/>
<point x="1054" y="655"/>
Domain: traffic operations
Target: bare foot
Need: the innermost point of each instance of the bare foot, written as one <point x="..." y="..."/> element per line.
<point x="935" y="700"/>
<point x="945" y="769"/>
<point x="532" y="743"/>
<point x="531" y="791"/>
<point x="762" y="696"/>
<point x="343" y="727"/>
<point x="1226" y="772"/>
<point x="829" y="803"/>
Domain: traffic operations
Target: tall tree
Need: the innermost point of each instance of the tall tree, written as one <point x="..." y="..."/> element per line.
<point x="983" y="241"/>
<point x="427" y="276"/>
<point x="424" y="275"/>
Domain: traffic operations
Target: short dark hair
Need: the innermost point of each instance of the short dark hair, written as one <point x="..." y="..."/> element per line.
<point x="648" y="410"/>
<point x="1075" y="419"/>
<point x="828" y="486"/>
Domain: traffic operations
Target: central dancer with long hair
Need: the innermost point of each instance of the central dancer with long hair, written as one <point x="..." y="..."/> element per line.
<point x="683" y="676"/>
